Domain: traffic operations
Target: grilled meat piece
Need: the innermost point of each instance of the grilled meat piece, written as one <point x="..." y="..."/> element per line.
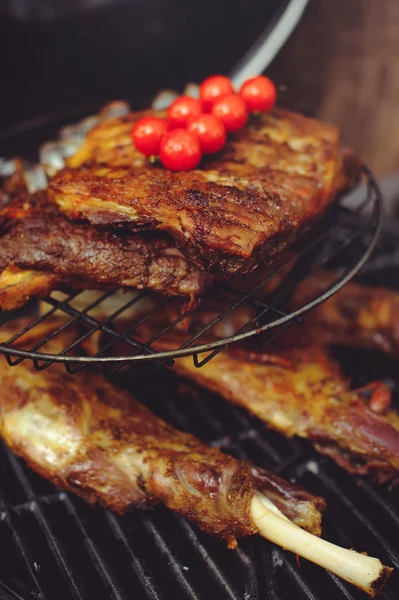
<point x="97" y="441"/>
<point x="18" y="286"/>
<point x="358" y="315"/>
<point x="243" y="207"/>
<point x="295" y="387"/>
<point x="36" y="237"/>
<point x="93" y="439"/>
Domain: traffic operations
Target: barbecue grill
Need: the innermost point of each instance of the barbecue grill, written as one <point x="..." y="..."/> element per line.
<point x="59" y="547"/>
<point x="56" y="546"/>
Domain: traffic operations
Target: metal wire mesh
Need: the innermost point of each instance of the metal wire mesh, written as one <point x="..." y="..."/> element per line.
<point x="317" y="250"/>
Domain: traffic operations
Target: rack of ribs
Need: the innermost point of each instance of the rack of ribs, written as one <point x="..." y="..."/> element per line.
<point x="358" y="315"/>
<point x="242" y="208"/>
<point x="41" y="249"/>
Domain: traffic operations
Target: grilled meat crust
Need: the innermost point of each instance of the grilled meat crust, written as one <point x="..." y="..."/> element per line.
<point x="93" y="439"/>
<point x="36" y="237"/>
<point x="243" y="207"/>
<point x="358" y="315"/>
<point x="19" y="286"/>
<point x="295" y="387"/>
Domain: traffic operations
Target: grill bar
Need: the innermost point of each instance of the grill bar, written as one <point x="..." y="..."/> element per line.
<point x="23" y="548"/>
<point x="52" y="540"/>
<point x="141" y="570"/>
<point x="99" y="562"/>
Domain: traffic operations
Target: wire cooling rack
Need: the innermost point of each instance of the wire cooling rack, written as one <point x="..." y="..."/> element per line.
<point x="266" y="319"/>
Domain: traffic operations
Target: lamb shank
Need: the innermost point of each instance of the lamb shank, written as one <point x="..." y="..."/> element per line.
<point x="93" y="439"/>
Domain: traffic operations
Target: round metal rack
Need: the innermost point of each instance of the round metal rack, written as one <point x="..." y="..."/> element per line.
<point x="343" y="242"/>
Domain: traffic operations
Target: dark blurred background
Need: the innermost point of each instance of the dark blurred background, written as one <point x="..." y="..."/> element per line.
<point x="69" y="57"/>
<point x="61" y="54"/>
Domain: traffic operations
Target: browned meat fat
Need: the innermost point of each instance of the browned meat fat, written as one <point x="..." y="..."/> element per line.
<point x="91" y="438"/>
<point x="41" y="249"/>
<point x="243" y="207"/>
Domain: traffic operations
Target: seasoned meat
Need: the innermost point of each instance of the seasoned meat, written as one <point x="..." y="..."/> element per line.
<point x="36" y="237"/>
<point x="242" y="207"/>
<point x="93" y="439"/>
<point x="358" y="315"/>
<point x="295" y="387"/>
<point x="18" y="286"/>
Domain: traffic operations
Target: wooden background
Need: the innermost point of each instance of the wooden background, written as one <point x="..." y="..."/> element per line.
<point x="342" y="64"/>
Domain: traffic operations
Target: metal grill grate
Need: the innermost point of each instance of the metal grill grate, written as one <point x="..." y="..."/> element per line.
<point x="56" y="546"/>
<point x="317" y="250"/>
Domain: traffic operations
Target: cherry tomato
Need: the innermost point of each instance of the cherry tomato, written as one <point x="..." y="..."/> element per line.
<point x="232" y="111"/>
<point x="213" y="88"/>
<point x="259" y="93"/>
<point x="147" y="134"/>
<point x="180" y="150"/>
<point x="182" y="110"/>
<point x="210" y="131"/>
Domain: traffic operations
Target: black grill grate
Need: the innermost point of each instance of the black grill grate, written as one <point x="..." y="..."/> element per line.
<point x="56" y="546"/>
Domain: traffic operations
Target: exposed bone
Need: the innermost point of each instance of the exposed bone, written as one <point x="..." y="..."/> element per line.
<point x="35" y="178"/>
<point x="70" y="145"/>
<point x="365" y="572"/>
<point x="51" y="158"/>
<point x="85" y="125"/>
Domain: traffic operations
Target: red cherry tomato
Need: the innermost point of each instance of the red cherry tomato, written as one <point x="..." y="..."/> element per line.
<point x="259" y="93"/>
<point x="213" y="88"/>
<point x="232" y="111"/>
<point x="210" y="131"/>
<point x="147" y="134"/>
<point x="182" y="110"/>
<point x="180" y="150"/>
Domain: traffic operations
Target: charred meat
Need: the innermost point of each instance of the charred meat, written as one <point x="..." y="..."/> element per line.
<point x="358" y="315"/>
<point x="295" y="387"/>
<point x="93" y="439"/>
<point x="90" y="438"/>
<point x="240" y="209"/>
<point x="41" y="249"/>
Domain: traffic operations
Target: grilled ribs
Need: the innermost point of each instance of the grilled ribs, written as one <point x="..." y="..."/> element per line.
<point x="93" y="439"/>
<point x="242" y="208"/>
<point x="36" y="237"/>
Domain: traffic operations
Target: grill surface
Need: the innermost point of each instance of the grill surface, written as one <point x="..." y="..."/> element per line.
<point x="56" y="546"/>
